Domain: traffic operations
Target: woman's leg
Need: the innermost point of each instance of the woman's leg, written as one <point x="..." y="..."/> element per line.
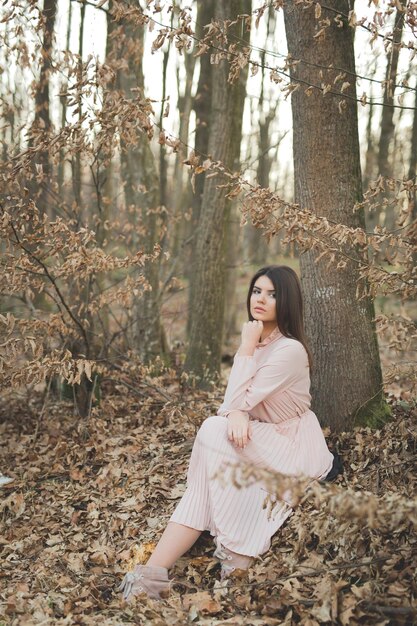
<point x="176" y="540"/>
<point x="152" y="578"/>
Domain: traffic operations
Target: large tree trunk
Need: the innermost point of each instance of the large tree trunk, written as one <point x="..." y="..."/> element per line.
<point x="208" y="285"/>
<point x="346" y="381"/>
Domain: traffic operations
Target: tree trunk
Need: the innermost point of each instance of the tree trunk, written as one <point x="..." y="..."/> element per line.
<point x="181" y="196"/>
<point x="64" y="86"/>
<point x="386" y="149"/>
<point x="202" y="109"/>
<point x="412" y="172"/>
<point x="142" y="192"/>
<point x="82" y="392"/>
<point x="346" y="381"/>
<point x="76" y="164"/>
<point x="371" y="217"/>
<point x="257" y="247"/>
<point x="233" y="230"/>
<point x="387" y="124"/>
<point x="42" y="121"/>
<point x="163" y="165"/>
<point x="208" y="285"/>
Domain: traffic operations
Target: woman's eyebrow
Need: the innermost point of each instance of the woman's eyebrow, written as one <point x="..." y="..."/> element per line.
<point x="260" y="288"/>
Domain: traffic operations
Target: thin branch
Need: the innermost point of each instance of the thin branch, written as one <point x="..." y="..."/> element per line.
<point x="54" y="283"/>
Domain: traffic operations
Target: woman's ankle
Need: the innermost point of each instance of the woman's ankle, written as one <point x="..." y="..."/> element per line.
<point x="158" y="562"/>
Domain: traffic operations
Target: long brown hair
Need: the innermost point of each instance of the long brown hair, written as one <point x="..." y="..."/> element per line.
<point x="289" y="302"/>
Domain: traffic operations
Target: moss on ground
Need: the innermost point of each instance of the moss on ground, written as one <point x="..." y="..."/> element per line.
<point x="374" y="413"/>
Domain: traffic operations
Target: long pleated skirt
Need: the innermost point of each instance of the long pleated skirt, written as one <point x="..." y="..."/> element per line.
<point x="236" y="515"/>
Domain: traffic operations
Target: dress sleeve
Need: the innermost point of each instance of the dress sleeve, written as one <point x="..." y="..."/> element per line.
<point x="250" y="383"/>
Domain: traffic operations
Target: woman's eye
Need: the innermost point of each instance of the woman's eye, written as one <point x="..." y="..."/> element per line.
<point x="257" y="291"/>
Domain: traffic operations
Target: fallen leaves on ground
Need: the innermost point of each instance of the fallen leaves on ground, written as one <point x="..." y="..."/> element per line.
<point x="90" y="499"/>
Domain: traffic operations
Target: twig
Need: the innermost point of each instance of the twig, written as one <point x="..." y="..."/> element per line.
<point x="90" y="403"/>
<point x="53" y="281"/>
<point x="391" y="610"/>
<point x="143" y="382"/>
<point x="387" y="467"/>
<point x="123" y="382"/>
<point x="45" y="400"/>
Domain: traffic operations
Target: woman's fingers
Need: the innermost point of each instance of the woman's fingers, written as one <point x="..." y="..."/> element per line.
<point x="240" y="437"/>
<point x="239" y="430"/>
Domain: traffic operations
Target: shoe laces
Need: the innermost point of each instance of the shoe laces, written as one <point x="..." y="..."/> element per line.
<point x="128" y="581"/>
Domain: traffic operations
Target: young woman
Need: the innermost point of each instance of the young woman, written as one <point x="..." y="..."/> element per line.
<point x="265" y="420"/>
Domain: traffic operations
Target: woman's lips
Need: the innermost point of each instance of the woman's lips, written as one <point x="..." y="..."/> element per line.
<point x="258" y="308"/>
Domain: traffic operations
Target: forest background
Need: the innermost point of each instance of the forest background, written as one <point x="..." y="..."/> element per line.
<point x="153" y="157"/>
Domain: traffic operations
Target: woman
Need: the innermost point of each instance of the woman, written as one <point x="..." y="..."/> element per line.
<point x="265" y="420"/>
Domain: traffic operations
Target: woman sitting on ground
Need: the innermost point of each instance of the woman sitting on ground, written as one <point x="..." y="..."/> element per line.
<point x="265" y="420"/>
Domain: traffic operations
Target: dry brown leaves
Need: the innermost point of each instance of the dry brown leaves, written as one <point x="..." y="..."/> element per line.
<point x="90" y="499"/>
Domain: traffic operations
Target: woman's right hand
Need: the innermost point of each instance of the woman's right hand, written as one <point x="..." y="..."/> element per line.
<point x="251" y="334"/>
<point x="239" y="428"/>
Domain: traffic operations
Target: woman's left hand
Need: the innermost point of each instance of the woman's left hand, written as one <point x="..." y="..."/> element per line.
<point x="239" y="428"/>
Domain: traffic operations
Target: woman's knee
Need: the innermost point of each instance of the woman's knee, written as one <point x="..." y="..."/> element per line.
<point x="212" y="427"/>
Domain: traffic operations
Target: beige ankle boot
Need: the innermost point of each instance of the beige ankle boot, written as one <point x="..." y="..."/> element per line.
<point x="232" y="560"/>
<point x="147" y="579"/>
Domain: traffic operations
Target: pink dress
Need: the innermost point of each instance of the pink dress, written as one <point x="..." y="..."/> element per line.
<point x="273" y="387"/>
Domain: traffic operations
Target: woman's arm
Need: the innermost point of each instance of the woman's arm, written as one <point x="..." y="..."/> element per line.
<point x="250" y="384"/>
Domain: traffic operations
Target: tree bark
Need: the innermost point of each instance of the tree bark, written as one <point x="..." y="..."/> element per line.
<point x="61" y="164"/>
<point x="387" y="124"/>
<point x="182" y="195"/>
<point x="42" y="121"/>
<point x="412" y="173"/>
<point x="202" y="109"/>
<point x="346" y="380"/>
<point x="257" y="247"/>
<point x="233" y="230"/>
<point x="163" y="165"/>
<point x="386" y="149"/>
<point x="142" y="194"/>
<point x="208" y="285"/>
<point x="76" y="163"/>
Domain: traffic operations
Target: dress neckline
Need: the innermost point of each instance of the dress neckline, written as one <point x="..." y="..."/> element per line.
<point x="272" y="335"/>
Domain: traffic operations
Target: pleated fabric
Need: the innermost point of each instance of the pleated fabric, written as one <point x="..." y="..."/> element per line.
<point x="273" y="388"/>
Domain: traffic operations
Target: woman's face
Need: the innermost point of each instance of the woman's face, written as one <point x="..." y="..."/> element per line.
<point x="262" y="300"/>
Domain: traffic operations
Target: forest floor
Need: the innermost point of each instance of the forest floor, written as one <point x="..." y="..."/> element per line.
<point x="91" y="497"/>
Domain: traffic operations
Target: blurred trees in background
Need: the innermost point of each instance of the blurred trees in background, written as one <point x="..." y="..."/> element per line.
<point x="120" y="210"/>
<point x="207" y="293"/>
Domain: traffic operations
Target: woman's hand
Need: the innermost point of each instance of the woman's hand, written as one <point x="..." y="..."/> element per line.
<point x="251" y="333"/>
<point x="239" y="428"/>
